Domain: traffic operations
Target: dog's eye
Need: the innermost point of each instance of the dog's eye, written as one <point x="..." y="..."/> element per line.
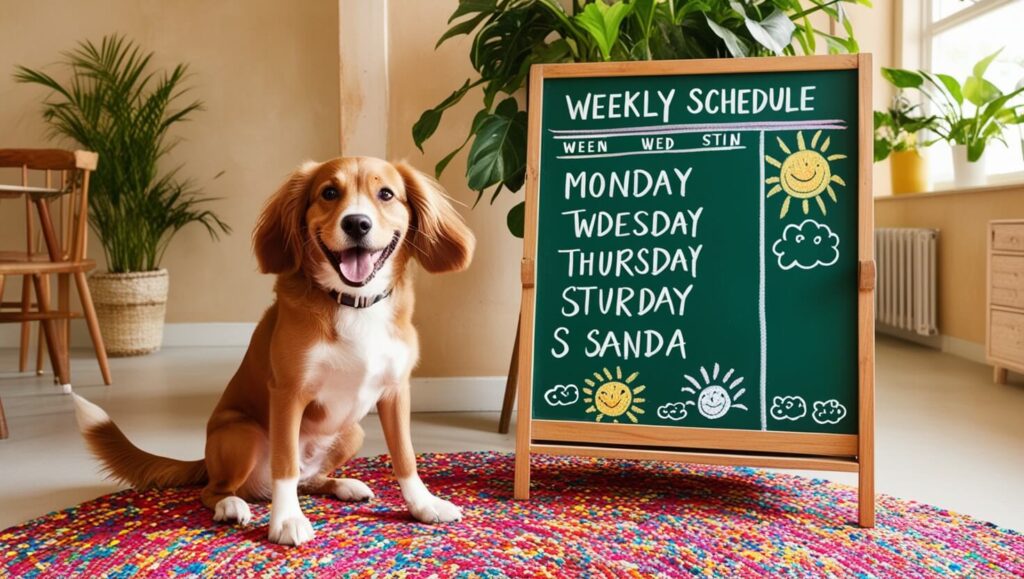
<point x="330" y="194"/>
<point x="385" y="194"/>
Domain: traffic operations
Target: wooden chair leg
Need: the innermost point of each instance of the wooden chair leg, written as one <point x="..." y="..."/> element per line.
<point x="4" y="433"/>
<point x="510" y="388"/>
<point x="41" y="346"/>
<point x="64" y="306"/>
<point x="26" y="327"/>
<point x="1" y="289"/>
<point x="52" y="335"/>
<point x="94" y="326"/>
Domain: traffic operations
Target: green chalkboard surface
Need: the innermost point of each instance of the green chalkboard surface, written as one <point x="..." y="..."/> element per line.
<point x="696" y="251"/>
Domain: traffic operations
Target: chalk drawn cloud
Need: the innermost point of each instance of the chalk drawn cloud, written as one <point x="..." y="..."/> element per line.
<point x="807" y="245"/>
<point x="562" y="395"/>
<point x="828" y="412"/>
<point x="674" y="411"/>
<point x="788" y="408"/>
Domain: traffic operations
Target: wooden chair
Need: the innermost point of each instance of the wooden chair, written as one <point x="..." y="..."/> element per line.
<point x="65" y="188"/>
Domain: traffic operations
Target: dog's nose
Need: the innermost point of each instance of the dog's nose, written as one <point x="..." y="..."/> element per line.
<point x="357" y="225"/>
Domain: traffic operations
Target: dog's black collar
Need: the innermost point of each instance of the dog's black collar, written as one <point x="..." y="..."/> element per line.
<point x="358" y="302"/>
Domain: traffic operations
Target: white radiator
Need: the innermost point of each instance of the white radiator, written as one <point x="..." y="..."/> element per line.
<point x="905" y="296"/>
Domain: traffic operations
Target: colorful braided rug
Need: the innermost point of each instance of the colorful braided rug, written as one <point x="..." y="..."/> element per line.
<point x="586" y="518"/>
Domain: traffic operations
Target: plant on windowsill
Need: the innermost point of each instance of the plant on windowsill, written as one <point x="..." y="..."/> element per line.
<point x="898" y="136"/>
<point x="511" y="35"/>
<point x="969" y="129"/>
<point x="115" y="104"/>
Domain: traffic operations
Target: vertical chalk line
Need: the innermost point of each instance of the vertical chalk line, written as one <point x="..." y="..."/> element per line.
<point x="760" y="298"/>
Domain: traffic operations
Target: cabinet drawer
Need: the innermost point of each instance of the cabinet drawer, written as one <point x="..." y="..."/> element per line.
<point x="1006" y="336"/>
<point x="1008" y="280"/>
<point x="1008" y="237"/>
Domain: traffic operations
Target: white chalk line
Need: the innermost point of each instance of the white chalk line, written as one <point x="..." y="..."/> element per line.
<point x="659" y="152"/>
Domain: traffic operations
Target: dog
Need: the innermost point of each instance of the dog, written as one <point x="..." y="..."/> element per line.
<point x="340" y="236"/>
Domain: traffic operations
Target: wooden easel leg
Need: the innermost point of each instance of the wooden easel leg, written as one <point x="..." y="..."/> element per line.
<point x="999" y="375"/>
<point x="510" y="387"/>
<point x="521" y="490"/>
<point x="866" y="494"/>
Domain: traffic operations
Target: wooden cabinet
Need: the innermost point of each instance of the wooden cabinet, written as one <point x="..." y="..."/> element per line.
<point x="1004" y="339"/>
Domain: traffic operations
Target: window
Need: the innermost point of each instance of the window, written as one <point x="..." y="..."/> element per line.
<point x="955" y="35"/>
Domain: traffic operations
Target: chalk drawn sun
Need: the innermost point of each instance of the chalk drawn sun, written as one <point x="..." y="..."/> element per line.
<point x="715" y="398"/>
<point x="805" y="174"/>
<point x="611" y="395"/>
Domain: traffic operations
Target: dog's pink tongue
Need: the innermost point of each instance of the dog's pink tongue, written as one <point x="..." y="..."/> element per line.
<point x="356" y="264"/>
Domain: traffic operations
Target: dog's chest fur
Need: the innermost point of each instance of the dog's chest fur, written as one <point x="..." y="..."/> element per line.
<point x="353" y="372"/>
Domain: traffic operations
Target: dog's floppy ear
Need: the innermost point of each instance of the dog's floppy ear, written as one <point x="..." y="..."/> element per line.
<point x="441" y="240"/>
<point x="278" y="238"/>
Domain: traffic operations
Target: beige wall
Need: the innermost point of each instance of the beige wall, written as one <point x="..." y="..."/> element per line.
<point x="962" y="220"/>
<point x="268" y="72"/>
<point x="467" y="321"/>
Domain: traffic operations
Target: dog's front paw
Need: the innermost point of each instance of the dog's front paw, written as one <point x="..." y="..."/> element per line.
<point x="349" y="489"/>
<point x="232" y="510"/>
<point x="431" y="509"/>
<point x="293" y="531"/>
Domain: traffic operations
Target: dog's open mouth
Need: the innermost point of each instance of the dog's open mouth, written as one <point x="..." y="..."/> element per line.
<point x="357" y="265"/>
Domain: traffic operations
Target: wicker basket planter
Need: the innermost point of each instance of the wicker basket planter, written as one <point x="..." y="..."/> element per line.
<point x="131" y="309"/>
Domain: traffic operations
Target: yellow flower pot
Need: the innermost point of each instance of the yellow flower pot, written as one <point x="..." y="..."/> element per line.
<point x="909" y="172"/>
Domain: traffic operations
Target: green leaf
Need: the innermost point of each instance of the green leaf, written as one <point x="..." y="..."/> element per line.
<point x="431" y="118"/>
<point x="982" y="65"/>
<point x="464" y="27"/>
<point x="902" y="78"/>
<point x="474" y="127"/>
<point x="498" y="153"/>
<point x="471" y="6"/>
<point x="975" y="149"/>
<point x="602" y="21"/>
<point x="882" y="149"/>
<point x="516" y="219"/>
<point x="775" y="32"/>
<point x="736" y="46"/>
<point x="980" y="91"/>
<point x="952" y="86"/>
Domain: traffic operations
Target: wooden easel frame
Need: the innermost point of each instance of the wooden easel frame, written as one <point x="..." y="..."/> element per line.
<point x="838" y="452"/>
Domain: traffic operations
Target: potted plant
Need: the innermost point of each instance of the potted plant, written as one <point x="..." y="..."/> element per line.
<point x="969" y="115"/>
<point x="898" y="136"/>
<point x="114" y="103"/>
<point x="512" y="35"/>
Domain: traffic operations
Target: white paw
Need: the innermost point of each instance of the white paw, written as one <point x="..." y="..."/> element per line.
<point x="290" y="531"/>
<point x="232" y="510"/>
<point x="349" y="489"/>
<point x="431" y="509"/>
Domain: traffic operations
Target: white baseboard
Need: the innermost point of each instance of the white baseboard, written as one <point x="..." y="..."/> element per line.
<point x="206" y="335"/>
<point x="972" y="351"/>
<point x="458" y="394"/>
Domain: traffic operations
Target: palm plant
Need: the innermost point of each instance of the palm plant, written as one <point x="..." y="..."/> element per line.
<point x="115" y="105"/>
<point x="512" y="35"/>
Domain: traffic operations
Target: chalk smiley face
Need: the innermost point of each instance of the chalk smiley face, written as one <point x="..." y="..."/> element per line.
<point x="713" y="402"/>
<point x="805" y="174"/>
<point x="613" y="398"/>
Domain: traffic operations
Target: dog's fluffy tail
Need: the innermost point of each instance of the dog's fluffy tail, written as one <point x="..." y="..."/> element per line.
<point x="125" y="462"/>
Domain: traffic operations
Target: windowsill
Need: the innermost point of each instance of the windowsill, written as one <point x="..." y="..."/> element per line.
<point x="995" y="188"/>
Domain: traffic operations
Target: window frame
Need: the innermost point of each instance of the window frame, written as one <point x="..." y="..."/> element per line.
<point x="927" y="30"/>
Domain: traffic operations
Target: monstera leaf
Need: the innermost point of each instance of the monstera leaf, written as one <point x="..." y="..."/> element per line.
<point x="498" y="154"/>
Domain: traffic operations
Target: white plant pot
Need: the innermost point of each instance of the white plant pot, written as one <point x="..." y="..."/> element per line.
<point x="130" y="308"/>
<point x="966" y="173"/>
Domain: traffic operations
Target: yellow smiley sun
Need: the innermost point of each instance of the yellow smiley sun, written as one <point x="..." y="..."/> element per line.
<point x="612" y="396"/>
<point x="804" y="174"/>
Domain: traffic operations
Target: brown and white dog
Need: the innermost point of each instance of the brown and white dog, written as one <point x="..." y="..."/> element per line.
<point x="339" y="339"/>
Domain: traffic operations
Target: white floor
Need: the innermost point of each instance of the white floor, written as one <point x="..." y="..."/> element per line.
<point x="945" y="434"/>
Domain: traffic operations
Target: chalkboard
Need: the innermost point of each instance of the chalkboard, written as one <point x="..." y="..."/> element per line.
<point x="696" y="235"/>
